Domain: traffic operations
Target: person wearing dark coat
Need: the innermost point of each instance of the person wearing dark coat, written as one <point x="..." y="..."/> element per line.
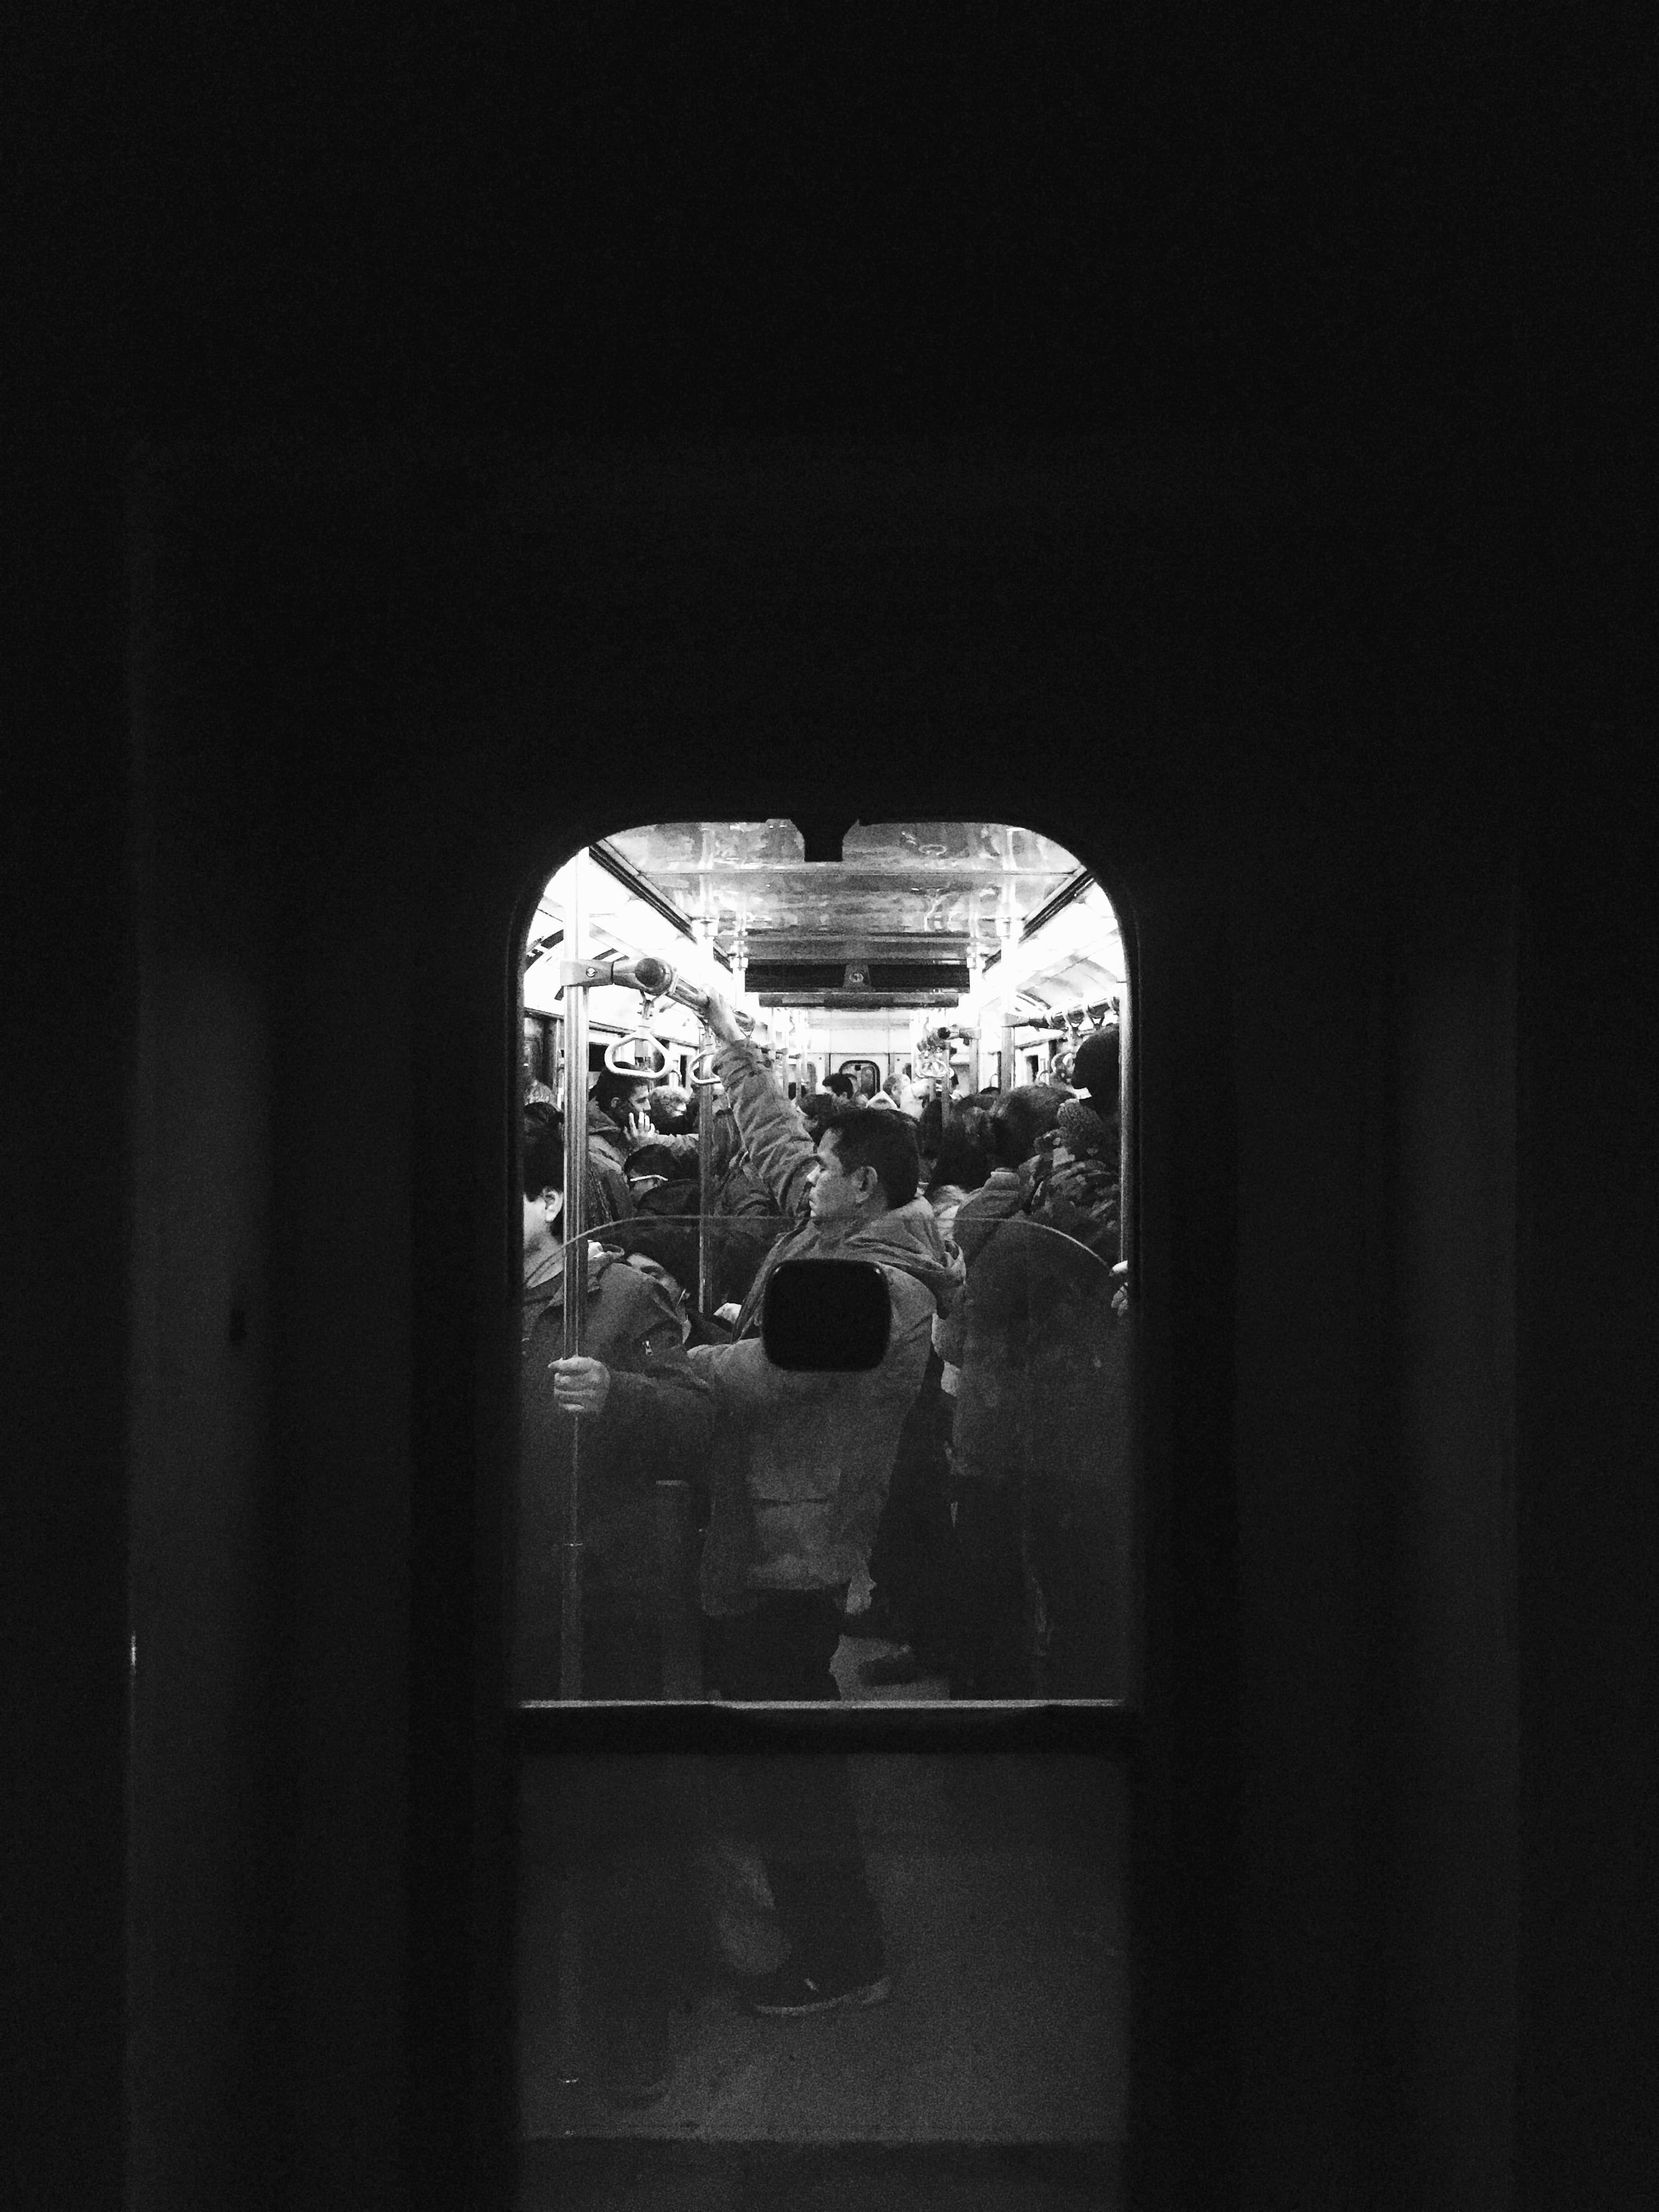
<point x="986" y="1346"/>
<point x="644" y="1415"/>
<point x="916" y="1594"/>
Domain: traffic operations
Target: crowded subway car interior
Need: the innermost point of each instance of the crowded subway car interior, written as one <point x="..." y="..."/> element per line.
<point x="823" y="1666"/>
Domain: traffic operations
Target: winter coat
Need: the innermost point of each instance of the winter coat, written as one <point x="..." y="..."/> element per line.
<point x="656" y="1425"/>
<point x="746" y="1225"/>
<point x="1035" y="1305"/>
<point x="1073" y="1181"/>
<point x="609" y="1198"/>
<point x="803" y="1461"/>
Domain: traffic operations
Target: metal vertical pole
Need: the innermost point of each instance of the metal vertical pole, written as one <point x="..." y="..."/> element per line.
<point x="706" y="1193"/>
<point x="575" y="1266"/>
<point x="569" y="1989"/>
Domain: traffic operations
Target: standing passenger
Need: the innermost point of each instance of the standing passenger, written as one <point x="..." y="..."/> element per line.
<point x="645" y="1414"/>
<point x="988" y="1342"/>
<point x="915" y="1596"/>
<point x="803" y="1464"/>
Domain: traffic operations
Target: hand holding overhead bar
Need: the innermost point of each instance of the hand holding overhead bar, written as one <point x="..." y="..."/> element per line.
<point x="723" y="1018"/>
<point x="656" y="980"/>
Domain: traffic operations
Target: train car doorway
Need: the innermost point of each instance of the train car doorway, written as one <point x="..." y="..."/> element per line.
<point x="824" y="1683"/>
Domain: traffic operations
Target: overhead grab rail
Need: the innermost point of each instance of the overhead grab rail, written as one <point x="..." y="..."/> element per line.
<point x="623" y="1058"/>
<point x="653" y="979"/>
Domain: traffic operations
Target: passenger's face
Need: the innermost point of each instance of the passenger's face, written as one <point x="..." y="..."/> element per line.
<point x="541" y="1217"/>
<point x="836" y="1195"/>
<point x="660" y="1275"/>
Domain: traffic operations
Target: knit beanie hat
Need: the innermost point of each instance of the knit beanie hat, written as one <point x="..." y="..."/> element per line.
<point x="1082" y="1130"/>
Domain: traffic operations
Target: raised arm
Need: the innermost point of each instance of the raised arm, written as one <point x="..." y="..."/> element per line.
<point x="774" y="1134"/>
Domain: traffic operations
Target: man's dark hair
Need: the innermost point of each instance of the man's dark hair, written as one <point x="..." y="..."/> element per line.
<point x="612" y="1091"/>
<point x="840" y="1086"/>
<point x="966" y="1157"/>
<point x="543" y="1149"/>
<point x="653" y="1160"/>
<point x="1022" y="1118"/>
<point x="885" y="1142"/>
<point x="672" y="1244"/>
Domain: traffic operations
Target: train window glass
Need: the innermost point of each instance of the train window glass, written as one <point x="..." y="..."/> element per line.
<point x="998" y="1879"/>
<point x="700" y="1542"/>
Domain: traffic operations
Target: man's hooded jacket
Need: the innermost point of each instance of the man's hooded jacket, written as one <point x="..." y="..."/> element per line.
<point x="803" y="1461"/>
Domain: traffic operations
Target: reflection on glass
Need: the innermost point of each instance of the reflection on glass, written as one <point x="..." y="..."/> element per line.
<point x="654" y="1912"/>
<point x="901" y="879"/>
<point x="976" y="1512"/>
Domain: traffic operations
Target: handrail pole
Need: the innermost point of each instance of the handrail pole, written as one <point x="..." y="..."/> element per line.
<point x="705" y="1196"/>
<point x="575" y="1274"/>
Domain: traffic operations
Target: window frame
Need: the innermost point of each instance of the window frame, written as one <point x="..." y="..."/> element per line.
<point x="1113" y="1728"/>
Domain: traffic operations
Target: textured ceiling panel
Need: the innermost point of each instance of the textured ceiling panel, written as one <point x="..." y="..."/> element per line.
<point x="895" y="880"/>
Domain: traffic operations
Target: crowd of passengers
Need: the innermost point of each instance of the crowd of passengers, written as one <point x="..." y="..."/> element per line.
<point x="935" y="1482"/>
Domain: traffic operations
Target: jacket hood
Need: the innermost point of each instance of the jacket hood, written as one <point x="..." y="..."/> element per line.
<point x="909" y="1238"/>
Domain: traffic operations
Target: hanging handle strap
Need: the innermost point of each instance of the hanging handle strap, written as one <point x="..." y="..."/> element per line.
<point x="623" y="1058"/>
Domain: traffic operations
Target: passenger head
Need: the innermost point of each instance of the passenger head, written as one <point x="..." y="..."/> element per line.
<point x="543" y="1172"/>
<point x="870" y="1166"/>
<point x="839" y="1085"/>
<point x="673" y="1111"/>
<point x="966" y="1155"/>
<point x="663" y="1249"/>
<point x="653" y="1164"/>
<point x="1021" y="1120"/>
<point x="621" y="1096"/>
<point x="543" y="1149"/>
<point x="1095" y="1069"/>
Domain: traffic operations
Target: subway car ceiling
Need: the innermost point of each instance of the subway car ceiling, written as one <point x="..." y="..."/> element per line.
<point x="919" y="927"/>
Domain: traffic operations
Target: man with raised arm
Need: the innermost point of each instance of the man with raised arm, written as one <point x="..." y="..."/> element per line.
<point x="805" y="1461"/>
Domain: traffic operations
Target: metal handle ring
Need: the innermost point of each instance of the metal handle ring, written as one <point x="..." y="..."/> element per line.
<point x="624" y="1066"/>
<point x="698" y="1078"/>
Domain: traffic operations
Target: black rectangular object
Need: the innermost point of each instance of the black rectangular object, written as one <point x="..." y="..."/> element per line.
<point x="794" y="976"/>
<point x="880" y="975"/>
<point x="918" y="975"/>
<point x="826" y="1316"/>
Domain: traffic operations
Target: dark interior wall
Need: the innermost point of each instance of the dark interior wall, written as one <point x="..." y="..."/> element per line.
<point x="1448" y="1823"/>
<point x="1587" y="1411"/>
<point x="344" y="1418"/>
<point x="1314" y="1448"/>
<point x="68" y="1043"/>
<point x="207" y="1858"/>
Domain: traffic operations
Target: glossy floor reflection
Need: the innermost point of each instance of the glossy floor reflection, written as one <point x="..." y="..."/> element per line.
<point x="1000" y="1882"/>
